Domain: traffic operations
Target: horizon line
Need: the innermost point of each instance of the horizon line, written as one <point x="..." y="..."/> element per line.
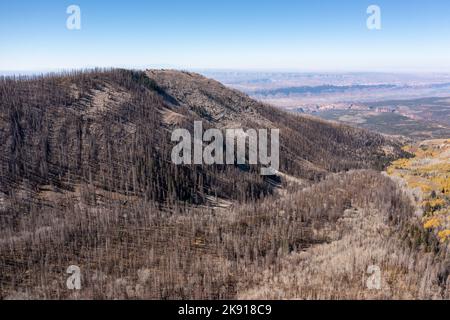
<point x="40" y="71"/>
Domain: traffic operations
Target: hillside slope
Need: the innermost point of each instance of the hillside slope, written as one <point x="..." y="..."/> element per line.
<point x="112" y="129"/>
<point x="86" y="179"/>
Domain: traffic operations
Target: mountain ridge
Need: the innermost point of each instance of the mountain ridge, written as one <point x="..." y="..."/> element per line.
<point x="87" y="115"/>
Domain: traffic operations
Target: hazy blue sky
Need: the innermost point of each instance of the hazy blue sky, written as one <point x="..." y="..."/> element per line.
<point x="237" y="34"/>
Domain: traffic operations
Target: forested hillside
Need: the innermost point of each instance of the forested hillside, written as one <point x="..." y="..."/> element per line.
<point x="86" y="179"/>
<point x="112" y="130"/>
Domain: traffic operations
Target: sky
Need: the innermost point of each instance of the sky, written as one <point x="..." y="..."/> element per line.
<point x="293" y="35"/>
